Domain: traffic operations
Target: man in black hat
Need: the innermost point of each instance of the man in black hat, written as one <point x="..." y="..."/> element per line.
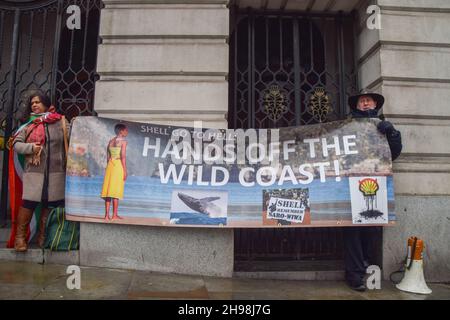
<point x="367" y="105"/>
<point x="357" y="240"/>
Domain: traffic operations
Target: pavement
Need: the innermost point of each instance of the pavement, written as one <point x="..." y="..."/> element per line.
<point x="36" y="281"/>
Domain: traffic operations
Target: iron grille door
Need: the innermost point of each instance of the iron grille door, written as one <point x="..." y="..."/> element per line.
<point x="38" y="51"/>
<point x="289" y="70"/>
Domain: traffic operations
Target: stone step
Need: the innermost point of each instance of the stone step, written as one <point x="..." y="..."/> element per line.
<point x="290" y="270"/>
<point x="292" y="275"/>
<point x="38" y="255"/>
<point x="288" y="265"/>
<point x="35" y="254"/>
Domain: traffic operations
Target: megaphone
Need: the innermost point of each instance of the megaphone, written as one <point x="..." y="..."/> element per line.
<point x="414" y="281"/>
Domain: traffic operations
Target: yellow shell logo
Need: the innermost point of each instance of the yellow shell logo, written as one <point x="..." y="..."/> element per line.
<point x="368" y="186"/>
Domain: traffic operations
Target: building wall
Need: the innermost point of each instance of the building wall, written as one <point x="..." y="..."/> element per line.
<point x="167" y="63"/>
<point x="407" y="61"/>
<point x="162" y="63"/>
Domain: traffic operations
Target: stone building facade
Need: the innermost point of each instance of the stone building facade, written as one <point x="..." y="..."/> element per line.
<point x="168" y="62"/>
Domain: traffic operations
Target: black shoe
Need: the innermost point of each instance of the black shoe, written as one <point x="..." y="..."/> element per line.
<point x="357" y="286"/>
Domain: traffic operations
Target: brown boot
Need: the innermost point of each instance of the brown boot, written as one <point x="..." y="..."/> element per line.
<point x="42" y="225"/>
<point x="23" y="220"/>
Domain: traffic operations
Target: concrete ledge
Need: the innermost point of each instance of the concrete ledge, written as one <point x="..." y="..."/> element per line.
<point x="192" y="251"/>
<point x="297" y="275"/>
<point x="415" y="4"/>
<point x="415" y="62"/>
<point x="427" y="218"/>
<point x="169" y="96"/>
<point x="32" y="255"/>
<point x="39" y="256"/>
<point x="416" y="98"/>
<point x="422" y="183"/>
<point x="168" y="57"/>
<point x="415" y="27"/>
<point x="164" y="4"/>
<point x="165" y="20"/>
<point x="210" y="120"/>
<point x="416" y="138"/>
<point x="63" y="257"/>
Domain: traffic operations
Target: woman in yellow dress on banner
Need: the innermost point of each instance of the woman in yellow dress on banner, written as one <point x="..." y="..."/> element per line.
<point x="116" y="171"/>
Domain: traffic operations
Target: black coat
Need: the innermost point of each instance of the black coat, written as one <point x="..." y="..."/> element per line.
<point x="394" y="138"/>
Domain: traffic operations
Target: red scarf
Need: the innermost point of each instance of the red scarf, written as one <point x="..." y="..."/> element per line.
<point x="36" y="130"/>
<point x="36" y="133"/>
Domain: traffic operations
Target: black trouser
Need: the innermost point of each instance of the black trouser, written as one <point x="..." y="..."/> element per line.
<point x="32" y="205"/>
<point x="358" y="243"/>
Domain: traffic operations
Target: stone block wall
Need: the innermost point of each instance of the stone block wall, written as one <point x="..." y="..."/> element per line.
<point x="407" y="61"/>
<point x="167" y="62"/>
<point x="162" y="62"/>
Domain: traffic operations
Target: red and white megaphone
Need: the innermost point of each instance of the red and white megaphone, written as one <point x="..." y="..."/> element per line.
<point x="414" y="280"/>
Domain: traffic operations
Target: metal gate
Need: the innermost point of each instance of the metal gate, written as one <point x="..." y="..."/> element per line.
<point x="39" y="51"/>
<point x="289" y="70"/>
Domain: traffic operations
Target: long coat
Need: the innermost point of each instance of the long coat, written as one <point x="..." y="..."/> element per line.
<point x="394" y="138"/>
<point x="51" y="168"/>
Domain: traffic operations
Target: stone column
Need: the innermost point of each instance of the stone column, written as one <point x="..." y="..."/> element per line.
<point x="408" y="62"/>
<point x="162" y="62"/>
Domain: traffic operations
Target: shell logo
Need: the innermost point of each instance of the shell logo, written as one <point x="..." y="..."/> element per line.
<point x="368" y="187"/>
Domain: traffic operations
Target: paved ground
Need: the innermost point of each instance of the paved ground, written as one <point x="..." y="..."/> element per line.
<point x="26" y="280"/>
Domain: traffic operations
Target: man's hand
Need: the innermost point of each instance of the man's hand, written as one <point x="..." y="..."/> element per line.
<point x="385" y="127"/>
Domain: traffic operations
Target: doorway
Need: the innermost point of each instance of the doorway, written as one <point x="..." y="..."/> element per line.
<point x="289" y="69"/>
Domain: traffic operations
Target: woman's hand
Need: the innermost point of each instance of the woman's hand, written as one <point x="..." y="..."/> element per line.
<point x="36" y="148"/>
<point x="125" y="175"/>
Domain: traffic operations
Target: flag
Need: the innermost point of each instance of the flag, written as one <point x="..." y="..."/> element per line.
<point x="15" y="172"/>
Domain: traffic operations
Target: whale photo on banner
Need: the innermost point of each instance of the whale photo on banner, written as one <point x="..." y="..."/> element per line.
<point x="326" y="175"/>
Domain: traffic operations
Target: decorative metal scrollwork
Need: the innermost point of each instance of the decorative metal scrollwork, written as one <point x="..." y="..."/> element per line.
<point x="275" y="103"/>
<point x="319" y="104"/>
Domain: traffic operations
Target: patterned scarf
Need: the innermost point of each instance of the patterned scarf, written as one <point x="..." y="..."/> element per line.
<point x="36" y="131"/>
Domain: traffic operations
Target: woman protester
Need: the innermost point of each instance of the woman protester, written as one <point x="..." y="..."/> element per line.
<point x="42" y="142"/>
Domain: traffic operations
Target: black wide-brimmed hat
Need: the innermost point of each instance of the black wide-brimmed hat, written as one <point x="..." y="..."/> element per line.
<point x="379" y="99"/>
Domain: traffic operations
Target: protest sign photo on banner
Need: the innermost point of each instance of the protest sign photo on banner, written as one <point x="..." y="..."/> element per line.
<point x="332" y="174"/>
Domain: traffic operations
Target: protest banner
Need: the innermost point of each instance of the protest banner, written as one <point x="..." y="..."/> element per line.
<point x="325" y="175"/>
